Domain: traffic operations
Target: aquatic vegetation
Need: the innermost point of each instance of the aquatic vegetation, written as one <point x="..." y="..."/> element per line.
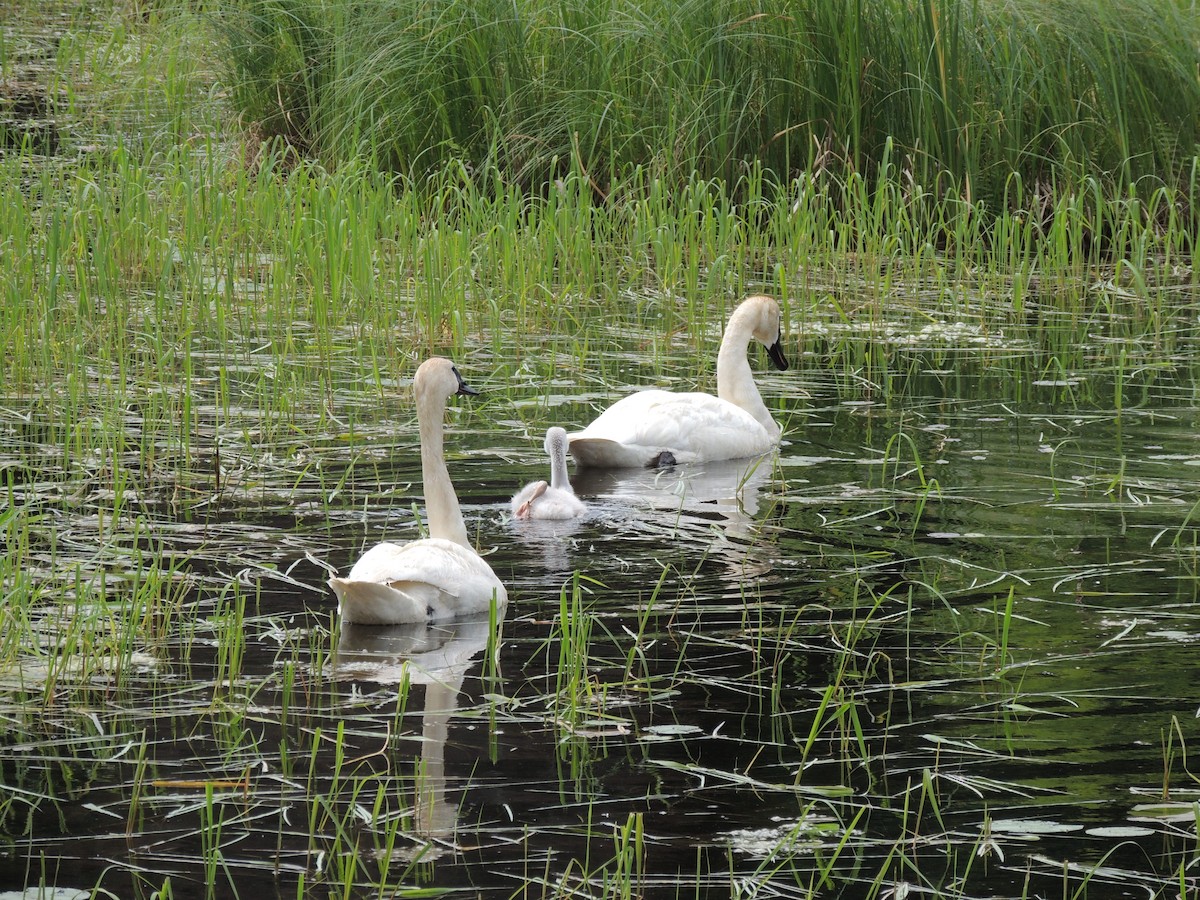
<point x="905" y="654"/>
<point x="962" y="96"/>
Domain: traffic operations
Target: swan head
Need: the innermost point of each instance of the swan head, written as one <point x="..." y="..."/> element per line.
<point x="438" y="377"/>
<point x="765" y="320"/>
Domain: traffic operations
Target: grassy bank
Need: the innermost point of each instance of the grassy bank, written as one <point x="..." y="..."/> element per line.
<point x="959" y="96"/>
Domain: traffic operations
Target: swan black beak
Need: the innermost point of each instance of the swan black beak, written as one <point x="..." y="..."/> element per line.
<point x="464" y="388"/>
<point x="775" y="351"/>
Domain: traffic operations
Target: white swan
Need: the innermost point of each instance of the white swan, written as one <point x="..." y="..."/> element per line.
<point x="555" y="500"/>
<point x="438" y="577"/>
<point x="656" y="428"/>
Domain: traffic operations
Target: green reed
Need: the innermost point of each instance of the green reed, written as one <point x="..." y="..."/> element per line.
<point x="537" y="90"/>
<point x="246" y="291"/>
<point x="575" y="695"/>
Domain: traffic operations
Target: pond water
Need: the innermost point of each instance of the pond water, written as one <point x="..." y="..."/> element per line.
<point x="944" y="646"/>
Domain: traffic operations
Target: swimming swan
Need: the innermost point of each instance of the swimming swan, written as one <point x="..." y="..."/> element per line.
<point x="555" y="500"/>
<point x="441" y="576"/>
<point x="655" y="428"/>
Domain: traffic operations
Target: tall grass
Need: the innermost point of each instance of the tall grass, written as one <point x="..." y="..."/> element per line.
<point x="967" y="93"/>
<point x="193" y="295"/>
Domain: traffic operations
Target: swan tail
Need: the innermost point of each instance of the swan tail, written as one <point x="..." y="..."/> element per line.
<point x="376" y="603"/>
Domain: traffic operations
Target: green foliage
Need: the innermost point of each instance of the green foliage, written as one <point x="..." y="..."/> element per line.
<point x="969" y="91"/>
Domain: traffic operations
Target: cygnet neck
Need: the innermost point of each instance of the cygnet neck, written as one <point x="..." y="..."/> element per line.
<point x="559" y="477"/>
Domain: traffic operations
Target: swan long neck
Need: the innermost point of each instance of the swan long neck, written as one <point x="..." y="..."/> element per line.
<point x="442" y="512"/>
<point x="735" y="380"/>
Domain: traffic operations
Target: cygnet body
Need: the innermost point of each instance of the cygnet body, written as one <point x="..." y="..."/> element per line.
<point x="557" y="499"/>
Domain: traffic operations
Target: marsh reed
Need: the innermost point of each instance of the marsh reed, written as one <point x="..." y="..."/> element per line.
<point x="967" y="94"/>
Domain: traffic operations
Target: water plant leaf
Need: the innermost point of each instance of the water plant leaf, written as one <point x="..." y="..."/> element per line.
<point x="1164" y="812"/>
<point x="1119" y="831"/>
<point x="705" y="774"/>
<point x="1033" y="827"/>
<point x="675" y="730"/>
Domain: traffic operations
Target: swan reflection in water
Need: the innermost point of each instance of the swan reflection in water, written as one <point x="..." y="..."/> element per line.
<point x="722" y="497"/>
<point x="437" y="656"/>
<point x="556" y="544"/>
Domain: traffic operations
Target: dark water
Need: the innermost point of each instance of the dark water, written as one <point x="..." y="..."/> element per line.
<point x="946" y="647"/>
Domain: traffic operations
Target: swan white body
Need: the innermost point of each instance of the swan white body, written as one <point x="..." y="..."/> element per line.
<point x="441" y="576"/>
<point x="555" y="500"/>
<point x="655" y="427"/>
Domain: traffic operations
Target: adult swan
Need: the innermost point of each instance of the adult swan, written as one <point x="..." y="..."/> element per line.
<point x="441" y="576"/>
<point x="655" y="428"/>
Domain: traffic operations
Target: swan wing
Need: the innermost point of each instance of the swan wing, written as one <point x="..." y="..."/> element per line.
<point x="431" y="579"/>
<point x="692" y="427"/>
<point x="376" y="603"/>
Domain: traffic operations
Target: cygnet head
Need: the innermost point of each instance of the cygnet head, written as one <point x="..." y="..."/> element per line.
<point x="765" y="320"/>
<point x="556" y="442"/>
<point x="438" y="377"/>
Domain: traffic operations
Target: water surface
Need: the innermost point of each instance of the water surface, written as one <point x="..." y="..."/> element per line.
<point x="945" y="645"/>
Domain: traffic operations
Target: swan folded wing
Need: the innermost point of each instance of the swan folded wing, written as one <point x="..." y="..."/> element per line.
<point x="431" y="579"/>
<point x="375" y="603"/>
<point x="694" y="427"/>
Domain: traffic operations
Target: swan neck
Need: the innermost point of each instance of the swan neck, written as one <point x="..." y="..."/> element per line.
<point x="735" y="379"/>
<point x="442" y="513"/>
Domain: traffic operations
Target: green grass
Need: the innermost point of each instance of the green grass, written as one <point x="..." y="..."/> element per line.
<point x="194" y="270"/>
<point x="965" y="94"/>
